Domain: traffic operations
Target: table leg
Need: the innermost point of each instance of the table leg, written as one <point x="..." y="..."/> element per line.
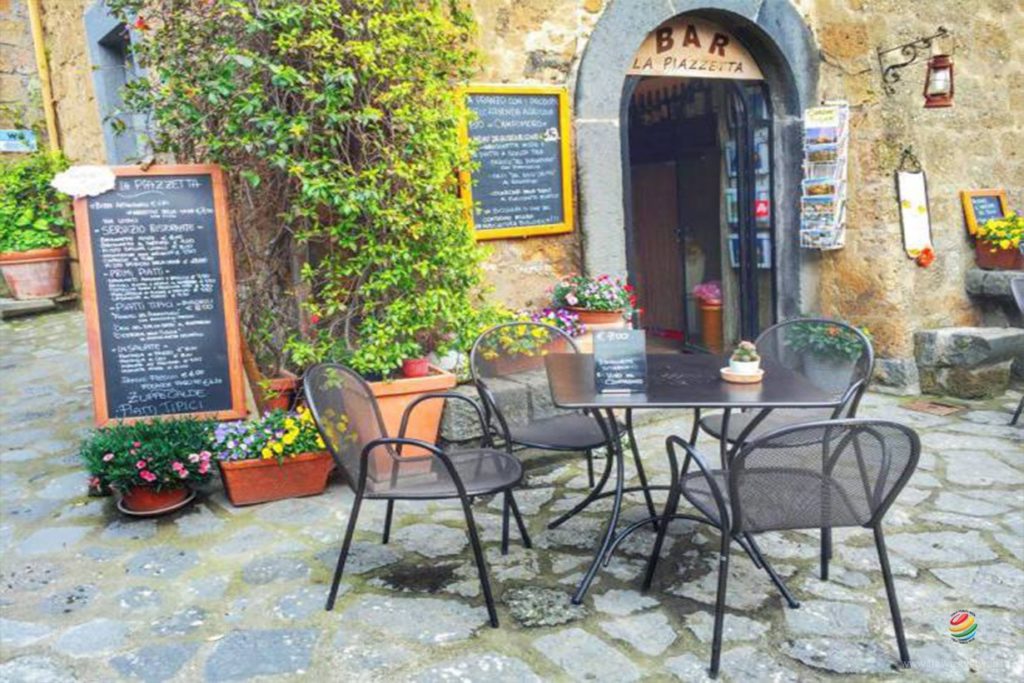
<point x="638" y="463"/>
<point x="609" y="534"/>
<point x="723" y="442"/>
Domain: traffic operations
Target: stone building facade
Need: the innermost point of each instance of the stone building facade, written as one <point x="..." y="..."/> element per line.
<point x="817" y="50"/>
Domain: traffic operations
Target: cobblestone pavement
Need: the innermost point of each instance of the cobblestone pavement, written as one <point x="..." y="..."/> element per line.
<point x="220" y="593"/>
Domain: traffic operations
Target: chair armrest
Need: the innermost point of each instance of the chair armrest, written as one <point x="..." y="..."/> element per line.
<point x="851" y="398"/>
<point x="446" y="395"/>
<point x="692" y="454"/>
<point x="403" y="441"/>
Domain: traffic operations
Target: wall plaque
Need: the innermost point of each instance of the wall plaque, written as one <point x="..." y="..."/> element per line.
<point x="522" y="184"/>
<point x="159" y="295"/>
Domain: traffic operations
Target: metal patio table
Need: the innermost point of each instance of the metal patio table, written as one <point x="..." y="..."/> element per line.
<point x="674" y="380"/>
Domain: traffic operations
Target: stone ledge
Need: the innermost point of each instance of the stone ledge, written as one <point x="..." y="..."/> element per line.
<point x="966" y="347"/>
<point x="991" y="284"/>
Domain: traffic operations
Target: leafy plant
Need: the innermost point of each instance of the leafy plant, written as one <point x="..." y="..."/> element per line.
<point x="601" y="293"/>
<point x="823" y="339"/>
<point x="277" y="434"/>
<point x="1002" y="233"/>
<point x="745" y="352"/>
<point x="163" y="454"/>
<point x="517" y="340"/>
<point x="337" y="121"/>
<point x="33" y="215"/>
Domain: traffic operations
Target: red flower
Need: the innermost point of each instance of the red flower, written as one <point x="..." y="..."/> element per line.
<point x="314" y="319"/>
<point x="140" y="23"/>
<point x="926" y="257"/>
<point x="628" y="288"/>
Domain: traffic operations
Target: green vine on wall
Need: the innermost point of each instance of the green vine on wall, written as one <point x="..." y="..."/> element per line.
<point x="336" y="120"/>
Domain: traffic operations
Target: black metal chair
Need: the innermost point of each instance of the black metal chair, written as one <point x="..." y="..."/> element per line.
<point x="375" y="468"/>
<point x="508" y="357"/>
<point x="838" y="473"/>
<point x="1017" y="287"/>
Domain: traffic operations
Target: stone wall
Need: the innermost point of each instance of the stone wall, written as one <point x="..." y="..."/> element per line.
<point x="19" y="86"/>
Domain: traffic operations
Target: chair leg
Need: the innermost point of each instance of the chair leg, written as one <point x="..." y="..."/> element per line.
<point x="504" y="525"/>
<point x="481" y="565"/>
<point x="387" y="522"/>
<point x="523" y="533"/>
<point x="776" y="579"/>
<point x="723" y="577"/>
<point x="343" y="555"/>
<point x="590" y="467"/>
<point x="890" y="592"/>
<point x="1020" y="408"/>
<point x="826" y="551"/>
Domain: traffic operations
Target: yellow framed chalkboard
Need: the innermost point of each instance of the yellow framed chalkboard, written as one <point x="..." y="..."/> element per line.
<point x="521" y="140"/>
<point x="981" y="206"/>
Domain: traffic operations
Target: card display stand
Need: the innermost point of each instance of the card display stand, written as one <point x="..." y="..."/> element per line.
<point x="823" y="202"/>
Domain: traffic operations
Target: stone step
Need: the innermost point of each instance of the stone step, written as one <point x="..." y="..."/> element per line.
<point x="967" y="347"/>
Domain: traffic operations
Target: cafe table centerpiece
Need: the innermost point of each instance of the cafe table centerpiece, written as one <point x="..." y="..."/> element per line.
<point x="997" y="243"/>
<point x="744" y="365"/>
<point x="601" y="300"/>
<point x="276" y="456"/>
<point x="152" y="466"/>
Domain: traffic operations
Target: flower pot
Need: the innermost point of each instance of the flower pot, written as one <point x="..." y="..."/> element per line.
<point x="741" y="367"/>
<point x="145" y="499"/>
<point x="34" y="274"/>
<point x="415" y="367"/>
<point x="392" y="398"/>
<point x="830" y="373"/>
<point x="279" y="393"/>
<point x="1001" y="259"/>
<point x="591" y="317"/>
<point x="247" y="482"/>
<point x="711" y="325"/>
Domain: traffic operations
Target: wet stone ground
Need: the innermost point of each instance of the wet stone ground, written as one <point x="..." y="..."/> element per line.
<point x="219" y="593"/>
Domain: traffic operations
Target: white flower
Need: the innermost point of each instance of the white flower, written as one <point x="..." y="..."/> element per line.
<point x="571" y="299"/>
<point x="84" y="181"/>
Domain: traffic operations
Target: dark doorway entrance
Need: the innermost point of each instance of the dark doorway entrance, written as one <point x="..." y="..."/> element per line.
<point x="699" y="153"/>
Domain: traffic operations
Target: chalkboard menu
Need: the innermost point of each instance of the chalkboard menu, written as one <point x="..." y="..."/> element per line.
<point x="159" y="295"/>
<point x="522" y="182"/>
<point x="981" y="206"/>
<point x="620" y="361"/>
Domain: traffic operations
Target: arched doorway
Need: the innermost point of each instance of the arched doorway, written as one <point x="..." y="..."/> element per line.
<point x="777" y="38"/>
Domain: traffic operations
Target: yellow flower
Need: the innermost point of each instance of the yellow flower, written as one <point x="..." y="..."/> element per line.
<point x="289" y="423"/>
<point x="267" y="453"/>
<point x="276" y="445"/>
<point x="320" y="442"/>
<point x="289" y="437"/>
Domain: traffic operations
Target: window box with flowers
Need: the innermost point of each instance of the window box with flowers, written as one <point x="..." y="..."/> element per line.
<point x="277" y="456"/>
<point x="150" y="465"/>
<point x="997" y="243"/>
<point x="601" y="300"/>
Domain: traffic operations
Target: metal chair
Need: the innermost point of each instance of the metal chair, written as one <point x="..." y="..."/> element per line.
<point x="841" y="473"/>
<point x="373" y="464"/>
<point x="509" y="357"/>
<point x="1017" y="287"/>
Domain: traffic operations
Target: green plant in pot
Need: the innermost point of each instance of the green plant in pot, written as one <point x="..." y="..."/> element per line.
<point x="745" y="359"/>
<point x="153" y="465"/>
<point x="34" y="220"/>
<point x="829" y="351"/>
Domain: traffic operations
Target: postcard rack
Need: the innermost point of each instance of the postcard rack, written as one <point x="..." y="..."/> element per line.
<point x="823" y="201"/>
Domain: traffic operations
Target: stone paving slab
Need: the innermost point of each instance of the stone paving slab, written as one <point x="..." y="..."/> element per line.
<point x="217" y="593"/>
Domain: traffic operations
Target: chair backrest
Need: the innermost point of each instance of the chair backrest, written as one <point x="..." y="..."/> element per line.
<point x="508" y="357"/>
<point x="346" y="413"/>
<point x="832" y="355"/>
<point x="825" y="474"/>
<point x="1017" y="287"/>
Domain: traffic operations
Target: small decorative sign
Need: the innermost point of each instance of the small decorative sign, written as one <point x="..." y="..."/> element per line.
<point x="912" y="189"/>
<point x="695" y="48"/>
<point x="17" y="140"/>
<point x="981" y="206"/>
<point x="620" y="361"/>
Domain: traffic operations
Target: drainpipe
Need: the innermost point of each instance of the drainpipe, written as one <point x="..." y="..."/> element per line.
<point x="43" y="68"/>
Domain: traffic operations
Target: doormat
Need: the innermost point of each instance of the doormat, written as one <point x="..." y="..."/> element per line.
<point x="935" y="408"/>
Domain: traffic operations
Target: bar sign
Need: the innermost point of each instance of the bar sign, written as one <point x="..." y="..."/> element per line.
<point x="620" y="361"/>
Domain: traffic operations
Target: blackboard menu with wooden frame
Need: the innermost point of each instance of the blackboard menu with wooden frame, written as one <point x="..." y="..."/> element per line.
<point x="159" y="296"/>
<point x="620" y="361"/>
<point x="981" y="206"/>
<point x="521" y="141"/>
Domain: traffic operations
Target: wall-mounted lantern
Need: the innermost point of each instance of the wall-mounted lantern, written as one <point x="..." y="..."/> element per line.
<point x="938" y="84"/>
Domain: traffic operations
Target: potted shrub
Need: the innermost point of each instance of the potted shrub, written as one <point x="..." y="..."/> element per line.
<point x="33" y="224"/>
<point x="997" y="243"/>
<point x="152" y="466"/>
<point x="709" y="294"/>
<point x="521" y="348"/>
<point x="601" y="300"/>
<point x="279" y="455"/>
<point x="829" y="352"/>
<point x="745" y="360"/>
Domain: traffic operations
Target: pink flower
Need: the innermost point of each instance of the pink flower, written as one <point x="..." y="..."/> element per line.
<point x="177" y="466"/>
<point x="108" y="457"/>
<point x="204" y="455"/>
<point x="193" y="457"/>
<point x="133" y="451"/>
<point x="571" y="299"/>
<point x="147" y="475"/>
<point x="183" y="473"/>
<point x="204" y="467"/>
<point x="140" y="465"/>
<point x="94" y="483"/>
<point x="136" y="444"/>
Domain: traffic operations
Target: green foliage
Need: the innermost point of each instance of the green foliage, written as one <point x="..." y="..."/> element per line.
<point x="33" y="215"/>
<point x="164" y="454"/>
<point x="829" y="341"/>
<point x="337" y="120"/>
<point x="277" y="434"/>
<point x="745" y="352"/>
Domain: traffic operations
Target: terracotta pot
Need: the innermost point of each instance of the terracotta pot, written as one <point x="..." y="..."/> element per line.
<point x="148" y="499"/>
<point x="34" y="274"/>
<point x="280" y="392"/>
<point x="1001" y="259"/>
<point x="415" y="367"/>
<point x="711" y="326"/>
<point x="393" y="397"/>
<point x="259" y="481"/>
<point x="589" y="317"/>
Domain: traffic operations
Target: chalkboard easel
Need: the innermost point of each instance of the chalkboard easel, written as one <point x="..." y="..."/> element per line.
<point x="159" y="296"/>
<point x="981" y="206"/>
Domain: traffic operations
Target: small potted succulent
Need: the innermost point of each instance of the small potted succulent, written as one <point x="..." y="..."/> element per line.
<point x="744" y="359"/>
<point x="601" y="300"/>
<point x="279" y="455"/>
<point x="152" y="466"/>
<point x="997" y="244"/>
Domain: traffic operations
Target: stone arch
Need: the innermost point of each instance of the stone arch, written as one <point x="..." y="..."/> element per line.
<point x="781" y="42"/>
